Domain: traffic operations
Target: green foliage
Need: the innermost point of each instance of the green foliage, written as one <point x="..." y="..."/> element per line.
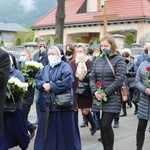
<point x="36" y="39"/>
<point x="18" y="42"/>
<point x="79" y="40"/>
<point x="2" y="43"/>
<point x="94" y="41"/>
<point x="47" y="38"/>
<point x="97" y="40"/>
<point x="91" y="42"/>
<point x="129" y="38"/>
<point x="23" y="36"/>
<point x="56" y="40"/>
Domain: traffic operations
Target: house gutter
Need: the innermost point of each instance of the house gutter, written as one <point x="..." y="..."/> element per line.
<point x="113" y="21"/>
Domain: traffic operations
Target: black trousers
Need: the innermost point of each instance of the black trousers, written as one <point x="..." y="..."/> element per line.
<point x="107" y="133"/>
<point x="140" y="135"/>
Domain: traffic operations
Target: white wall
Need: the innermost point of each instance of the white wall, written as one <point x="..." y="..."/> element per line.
<point x="91" y="5"/>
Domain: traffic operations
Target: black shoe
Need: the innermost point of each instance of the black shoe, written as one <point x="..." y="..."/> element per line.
<point x="32" y="132"/>
<point x="116" y="124"/>
<point x="84" y="124"/>
<point x="135" y="112"/>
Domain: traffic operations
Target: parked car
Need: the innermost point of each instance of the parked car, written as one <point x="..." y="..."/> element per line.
<point x="136" y="52"/>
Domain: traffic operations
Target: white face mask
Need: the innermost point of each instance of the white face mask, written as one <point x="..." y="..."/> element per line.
<point x="80" y="56"/>
<point x="54" y="60"/>
<point x="90" y="57"/>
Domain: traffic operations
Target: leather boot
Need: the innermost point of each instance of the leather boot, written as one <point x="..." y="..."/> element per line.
<point x="92" y="122"/>
<point x="84" y="123"/>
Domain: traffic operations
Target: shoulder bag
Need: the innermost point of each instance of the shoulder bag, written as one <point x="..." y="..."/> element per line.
<point x="83" y="88"/>
<point x="124" y="90"/>
<point x="64" y="101"/>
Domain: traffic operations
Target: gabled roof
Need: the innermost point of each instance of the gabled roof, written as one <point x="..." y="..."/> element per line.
<point x="4" y="26"/>
<point x="125" y="10"/>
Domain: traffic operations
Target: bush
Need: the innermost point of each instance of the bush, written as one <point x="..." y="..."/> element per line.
<point x="56" y="40"/>
<point x="18" y="42"/>
<point x="79" y="40"/>
<point x="129" y="38"/>
<point x="91" y="42"/>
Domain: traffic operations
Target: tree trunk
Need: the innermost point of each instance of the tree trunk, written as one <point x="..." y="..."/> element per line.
<point x="60" y="18"/>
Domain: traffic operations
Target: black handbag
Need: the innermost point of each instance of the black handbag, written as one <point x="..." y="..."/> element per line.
<point x="83" y="88"/>
<point x="10" y="107"/>
<point x="64" y="101"/>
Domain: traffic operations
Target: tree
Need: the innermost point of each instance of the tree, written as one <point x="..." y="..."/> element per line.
<point x="18" y="42"/>
<point x="23" y="36"/>
<point x="60" y="18"/>
<point x="129" y="38"/>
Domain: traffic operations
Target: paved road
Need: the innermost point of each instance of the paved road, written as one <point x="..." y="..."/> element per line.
<point x="125" y="135"/>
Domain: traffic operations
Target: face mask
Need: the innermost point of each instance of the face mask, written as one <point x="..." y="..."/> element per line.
<point x="68" y="57"/>
<point x="69" y="53"/>
<point x="146" y="51"/>
<point x="127" y="61"/>
<point x="54" y="60"/>
<point x="80" y="56"/>
<point x="106" y="51"/>
<point x="90" y="57"/>
<point x="22" y="59"/>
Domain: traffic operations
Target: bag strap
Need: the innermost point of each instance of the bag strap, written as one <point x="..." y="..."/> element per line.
<point x="110" y="66"/>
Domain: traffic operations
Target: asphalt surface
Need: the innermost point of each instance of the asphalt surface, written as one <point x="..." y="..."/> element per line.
<point x="125" y="135"/>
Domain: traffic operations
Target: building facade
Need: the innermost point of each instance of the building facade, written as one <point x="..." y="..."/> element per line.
<point x="85" y="19"/>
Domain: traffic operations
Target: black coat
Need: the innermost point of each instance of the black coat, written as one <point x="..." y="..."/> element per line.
<point x="4" y="73"/>
<point x="101" y="71"/>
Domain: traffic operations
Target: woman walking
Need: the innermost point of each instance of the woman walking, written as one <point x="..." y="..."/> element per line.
<point x="111" y="85"/>
<point x="142" y="76"/>
<point x="57" y="128"/>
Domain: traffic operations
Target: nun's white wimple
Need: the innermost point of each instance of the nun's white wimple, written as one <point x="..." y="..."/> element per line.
<point x="56" y="49"/>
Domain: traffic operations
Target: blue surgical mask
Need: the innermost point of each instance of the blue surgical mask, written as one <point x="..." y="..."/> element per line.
<point x="23" y="59"/>
<point x="106" y="51"/>
<point x="54" y="60"/>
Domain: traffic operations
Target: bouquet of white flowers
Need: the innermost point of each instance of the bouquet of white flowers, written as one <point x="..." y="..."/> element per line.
<point x="29" y="70"/>
<point x="15" y="88"/>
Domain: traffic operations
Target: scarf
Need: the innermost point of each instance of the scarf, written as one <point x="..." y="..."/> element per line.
<point x="81" y="70"/>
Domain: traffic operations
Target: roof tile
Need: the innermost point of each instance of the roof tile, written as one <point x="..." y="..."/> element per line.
<point x="123" y="9"/>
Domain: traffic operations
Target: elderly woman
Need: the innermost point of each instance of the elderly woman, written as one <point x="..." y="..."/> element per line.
<point x="80" y="67"/>
<point x="57" y="128"/>
<point x="144" y="101"/>
<point x="101" y="71"/>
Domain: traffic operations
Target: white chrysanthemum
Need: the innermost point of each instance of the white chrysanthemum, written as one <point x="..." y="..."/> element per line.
<point x="12" y="80"/>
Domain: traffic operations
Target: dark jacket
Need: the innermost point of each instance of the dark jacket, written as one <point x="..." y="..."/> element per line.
<point x="130" y="73"/>
<point x="60" y="79"/>
<point x="101" y="71"/>
<point x="41" y="57"/>
<point x="144" y="100"/>
<point x="4" y="72"/>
